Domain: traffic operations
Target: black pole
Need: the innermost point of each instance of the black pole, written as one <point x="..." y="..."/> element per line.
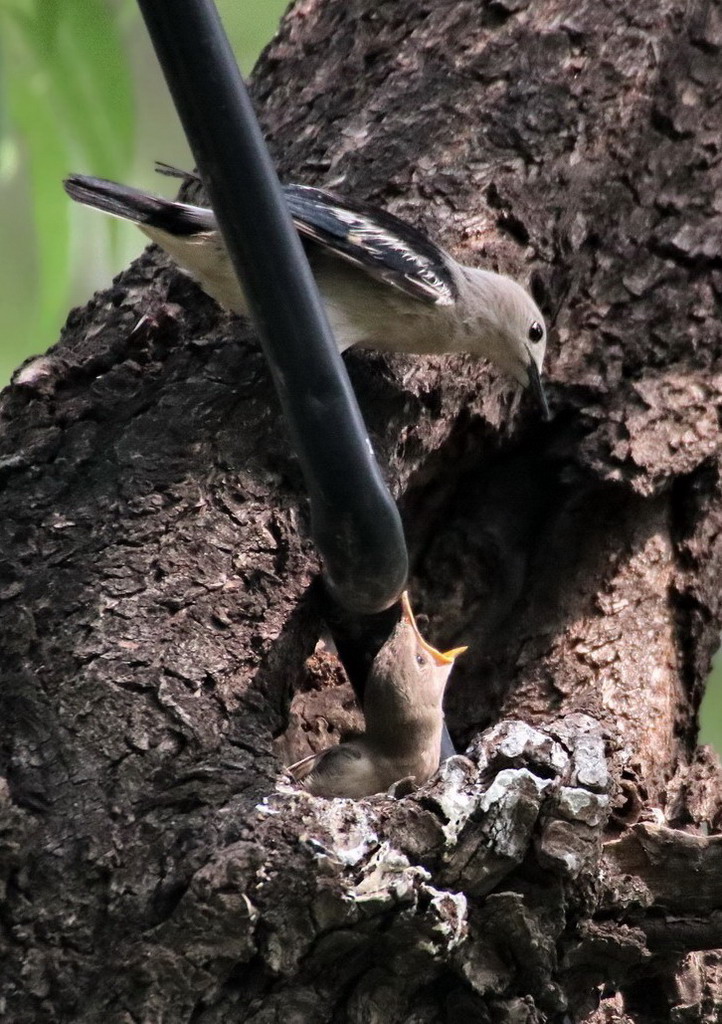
<point x="354" y="521"/>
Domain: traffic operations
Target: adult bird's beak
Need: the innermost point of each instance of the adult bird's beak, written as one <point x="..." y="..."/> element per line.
<point x="535" y="383"/>
<point x="439" y="657"/>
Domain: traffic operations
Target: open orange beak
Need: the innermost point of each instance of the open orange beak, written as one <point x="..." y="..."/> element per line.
<point x="440" y="657"/>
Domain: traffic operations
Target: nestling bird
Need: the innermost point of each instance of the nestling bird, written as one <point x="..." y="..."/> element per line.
<point x="404" y="718"/>
<point x="384" y="284"/>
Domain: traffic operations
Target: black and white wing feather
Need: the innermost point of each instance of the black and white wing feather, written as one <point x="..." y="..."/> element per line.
<point x="386" y="247"/>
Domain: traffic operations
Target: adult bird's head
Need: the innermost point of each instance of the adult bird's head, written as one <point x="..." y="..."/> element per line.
<point x="509" y="327"/>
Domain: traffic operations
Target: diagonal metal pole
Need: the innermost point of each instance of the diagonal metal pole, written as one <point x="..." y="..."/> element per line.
<point x="354" y="521"/>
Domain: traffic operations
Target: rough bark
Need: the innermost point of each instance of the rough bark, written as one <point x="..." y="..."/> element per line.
<point x="155" y="610"/>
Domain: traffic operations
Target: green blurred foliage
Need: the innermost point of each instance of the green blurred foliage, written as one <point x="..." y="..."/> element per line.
<point x="61" y="63"/>
<point x="80" y="91"/>
<point x="711" y="710"/>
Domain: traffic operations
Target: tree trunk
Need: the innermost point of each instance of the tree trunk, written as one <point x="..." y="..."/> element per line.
<point x="156" y="613"/>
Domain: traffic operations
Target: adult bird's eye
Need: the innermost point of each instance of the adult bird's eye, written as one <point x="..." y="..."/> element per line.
<point x="420" y="660"/>
<point x="536" y="331"/>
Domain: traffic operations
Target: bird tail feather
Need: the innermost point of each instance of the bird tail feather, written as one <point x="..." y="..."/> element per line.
<point x="139" y="207"/>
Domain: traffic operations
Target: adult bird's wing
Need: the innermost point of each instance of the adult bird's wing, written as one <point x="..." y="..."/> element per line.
<point x="372" y="239"/>
<point x="388" y="249"/>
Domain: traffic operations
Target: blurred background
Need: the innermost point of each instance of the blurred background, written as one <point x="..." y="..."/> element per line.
<point x="80" y="91"/>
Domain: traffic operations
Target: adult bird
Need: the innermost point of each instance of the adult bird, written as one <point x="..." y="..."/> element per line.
<point x="384" y="284"/>
<point x="403" y="711"/>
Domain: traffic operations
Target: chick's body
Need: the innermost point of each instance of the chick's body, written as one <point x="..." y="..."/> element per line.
<point x="404" y="717"/>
